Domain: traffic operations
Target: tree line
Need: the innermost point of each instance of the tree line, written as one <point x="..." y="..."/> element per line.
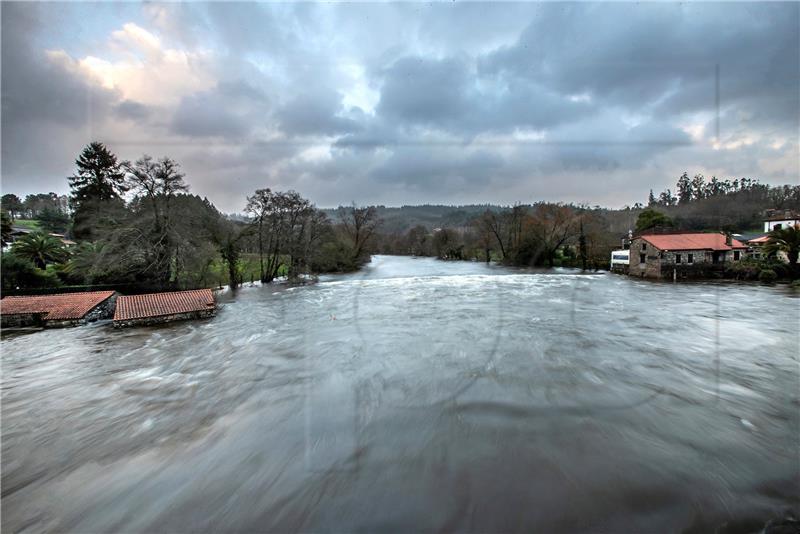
<point x="136" y="224"/>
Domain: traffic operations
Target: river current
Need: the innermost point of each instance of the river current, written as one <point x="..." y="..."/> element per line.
<point x="416" y="395"/>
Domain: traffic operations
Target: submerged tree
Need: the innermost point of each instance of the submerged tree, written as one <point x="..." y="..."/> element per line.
<point x="360" y="225"/>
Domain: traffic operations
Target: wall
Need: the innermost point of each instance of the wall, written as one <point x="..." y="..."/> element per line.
<point x="785" y="223"/>
<point x="20" y="320"/>
<point x="148" y="321"/>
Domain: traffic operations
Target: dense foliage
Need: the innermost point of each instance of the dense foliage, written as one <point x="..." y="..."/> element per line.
<point x="137" y="225"/>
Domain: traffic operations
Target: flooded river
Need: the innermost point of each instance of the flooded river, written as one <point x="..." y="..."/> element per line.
<point x="416" y="395"/>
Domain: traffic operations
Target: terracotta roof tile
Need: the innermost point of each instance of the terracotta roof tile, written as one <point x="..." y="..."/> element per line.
<point x="159" y="304"/>
<point x="697" y="241"/>
<point x="61" y="306"/>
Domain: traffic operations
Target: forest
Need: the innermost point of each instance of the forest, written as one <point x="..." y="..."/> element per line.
<point x="136" y="226"/>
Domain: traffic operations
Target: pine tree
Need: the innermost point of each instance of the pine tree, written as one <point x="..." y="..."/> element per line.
<point x="684" y="189"/>
<point x="95" y="188"/>
<point x="651" y="200"/>
<point x="99" y="176"/>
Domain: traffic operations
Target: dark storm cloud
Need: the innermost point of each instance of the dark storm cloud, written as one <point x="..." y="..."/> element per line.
<point x="662" y="55"/>
<point x="447" y="94"/>
<point x="232" y="110"/>
<point x="409" y="102"/>
<point x="128" y="109"/>
<point x="315" y="112"/>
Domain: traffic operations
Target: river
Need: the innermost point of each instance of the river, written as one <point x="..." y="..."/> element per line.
<point x="416" y="395"/>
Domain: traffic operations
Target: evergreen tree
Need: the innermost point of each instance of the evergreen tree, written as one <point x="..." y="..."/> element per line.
<point x="98" y="185"/>
<point x="684" y="189"/>
<point x="651" y="200"/>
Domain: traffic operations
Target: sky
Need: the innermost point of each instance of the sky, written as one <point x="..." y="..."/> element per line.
<point x="406" y="103"/>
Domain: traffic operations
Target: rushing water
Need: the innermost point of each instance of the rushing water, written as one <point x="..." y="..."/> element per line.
<point x="416" y="395"/>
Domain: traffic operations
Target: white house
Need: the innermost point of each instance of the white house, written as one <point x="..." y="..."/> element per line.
<point x="777" y="219"/>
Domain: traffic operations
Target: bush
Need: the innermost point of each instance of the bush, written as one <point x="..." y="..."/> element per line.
<point x="767" y="276"/>
<point x="20" y="273"/>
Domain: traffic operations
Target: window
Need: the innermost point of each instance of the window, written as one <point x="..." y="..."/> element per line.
<point x="644" y="245"/>
<point x="641" y="258"/>
<point x="736" y="255"/>
<point x="777" y="226"/>
<point x="677" y="258"/>
<point x="690" y="258"/>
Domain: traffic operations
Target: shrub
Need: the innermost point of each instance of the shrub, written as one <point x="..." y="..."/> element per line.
<point x="20" y="273"/>
<point x="767" y="276"/>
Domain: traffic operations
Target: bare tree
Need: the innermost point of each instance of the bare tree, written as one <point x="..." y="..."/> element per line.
<point x="360" y="225"/>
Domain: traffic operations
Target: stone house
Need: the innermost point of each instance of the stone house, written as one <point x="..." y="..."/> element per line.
<point x="57" y="310"/>
<point x="155" y="308"/>
<point x="683" y="255"/>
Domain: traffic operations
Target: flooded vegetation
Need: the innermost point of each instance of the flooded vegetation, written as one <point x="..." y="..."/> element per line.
<point x="416" y="395"/>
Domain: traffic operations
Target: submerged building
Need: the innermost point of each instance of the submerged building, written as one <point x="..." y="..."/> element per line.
<point x="56" y="310"/>
<point x="155" y="308"/>
<point x="683" y="255"/>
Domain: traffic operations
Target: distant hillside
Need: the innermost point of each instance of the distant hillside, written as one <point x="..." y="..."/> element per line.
<point x="400" y="220"/>
<point x="428" y="215"/>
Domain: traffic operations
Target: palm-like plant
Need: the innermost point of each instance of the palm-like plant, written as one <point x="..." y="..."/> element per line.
<point x="40" y="248"/>
<point x="785" y="240"/>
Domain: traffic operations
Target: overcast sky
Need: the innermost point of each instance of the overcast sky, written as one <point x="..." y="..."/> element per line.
<point x="406" y="103"/>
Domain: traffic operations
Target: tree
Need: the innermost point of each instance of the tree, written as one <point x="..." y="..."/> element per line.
<point x="12" y="205"/>
<point x="582" y="251"/>
<point x="552" y="226"/>
<point x="40" y="248"/>
<point x="786" y="240"/>
<point x="360" y="225"/>
<point x="650" y="218"/>
<point x="96" y="186"/>
<point x="493" y="224"/>
<point x="156" y="184"/>
<point x="99" y="176"/>
<point x="5" y="222"/>
<point x="651" y="199"/>
<point x="698" y="187"/>
<point x="684" y="187"/>
<point x="53" y="220"/>
<point x="259" y="206"/>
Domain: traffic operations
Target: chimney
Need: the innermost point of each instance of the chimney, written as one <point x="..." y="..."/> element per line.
<point x="728" y="239"/>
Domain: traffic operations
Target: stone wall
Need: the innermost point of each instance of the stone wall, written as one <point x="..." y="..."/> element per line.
<point x="21" y="320"/>
<point x="149" y="321"/>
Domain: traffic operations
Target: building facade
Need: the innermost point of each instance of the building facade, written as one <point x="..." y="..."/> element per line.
<point x="683" y="255"/>
<point x="778" y="219"/>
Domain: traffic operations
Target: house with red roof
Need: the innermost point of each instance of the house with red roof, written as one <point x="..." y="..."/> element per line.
<point x="59" y="309"/>
<point x="683" y="254"/>
<point x="155" y="308"/>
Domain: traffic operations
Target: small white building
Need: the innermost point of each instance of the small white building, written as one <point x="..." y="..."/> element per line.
<point x="778" y="219"/>
<point x="620" y="260"/>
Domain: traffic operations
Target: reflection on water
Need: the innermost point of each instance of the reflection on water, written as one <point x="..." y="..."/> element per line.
<point x="415" y="395"/>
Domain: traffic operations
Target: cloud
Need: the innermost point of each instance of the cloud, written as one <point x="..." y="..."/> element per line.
<point x="399" y="103"/>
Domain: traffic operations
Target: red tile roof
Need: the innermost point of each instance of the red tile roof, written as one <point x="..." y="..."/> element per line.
<point x="59" y="307"/>
<point x="159" y="304"/>
<point x="714" y="241"/>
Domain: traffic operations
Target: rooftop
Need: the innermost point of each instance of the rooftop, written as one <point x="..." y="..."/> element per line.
<point x="692" y="241"/>
<point x="59" y="307"/>
<point x="160" y="304"/>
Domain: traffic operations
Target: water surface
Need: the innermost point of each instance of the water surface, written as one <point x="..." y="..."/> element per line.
<point x="416" y="395"/>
